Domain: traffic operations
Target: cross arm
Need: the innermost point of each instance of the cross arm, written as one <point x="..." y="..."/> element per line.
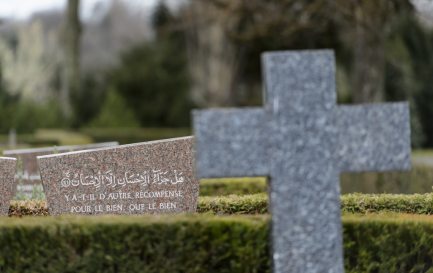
<point x="374" y="137"/>
<point x="231" y="142"/>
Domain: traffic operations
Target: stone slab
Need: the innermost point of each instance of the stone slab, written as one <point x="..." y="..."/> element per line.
<point x="7" y="183"/>
<point x="28" y="177"/>
<point x="302" y="140"/>
<point x="151" y="177"/>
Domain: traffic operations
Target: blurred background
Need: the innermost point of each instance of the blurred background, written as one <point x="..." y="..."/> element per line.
<point x="83" y="71"/>
<point x="78" y="71"/>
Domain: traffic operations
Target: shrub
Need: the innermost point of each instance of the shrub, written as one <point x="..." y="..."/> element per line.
<point x="189" y="244"/>
<point x="418" y="180"/>
<point x="115" y="113"/>
<point x="199" y="243"/>
<point x="234" y="204"/>
<point x="27" y="116"/>
<point x="388" y="243"/>
<point x="227" y="186"/>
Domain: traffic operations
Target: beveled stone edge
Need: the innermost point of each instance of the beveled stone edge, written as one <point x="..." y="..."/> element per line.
<point x="51" y="148"/>
<point x="8" y="158"/>
<point x="286" y="53"/>
<point x="116" y="147"/>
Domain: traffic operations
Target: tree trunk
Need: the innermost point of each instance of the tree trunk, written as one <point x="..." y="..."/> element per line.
<point x="213" y="59"/>
<point x="369" y="58"/>
<point x="72" y="77"/>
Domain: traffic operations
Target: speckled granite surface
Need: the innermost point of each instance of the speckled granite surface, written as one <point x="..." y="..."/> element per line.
<point x="151" y="177"/>
<point x="27" y="165"/>
<point x="302" y="140"/>
<point x="7" y="183"/>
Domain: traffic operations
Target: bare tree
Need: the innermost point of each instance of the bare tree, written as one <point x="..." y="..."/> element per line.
<point x="221" y="28"/>
<point x="28" y="68"/>
<point x="213" y="58"/>
<point x="367" y="26"/>
<point x="218" y="31"/>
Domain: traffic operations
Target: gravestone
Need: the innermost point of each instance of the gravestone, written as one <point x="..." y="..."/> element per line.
<point x="27" y="175"/>
<point x="7" y="185"/>
<point x="302" y="141"/>
<point x="151" y="177"/>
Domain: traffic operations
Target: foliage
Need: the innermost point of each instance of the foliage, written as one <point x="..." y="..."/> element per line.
<point x="189" y="244"/>
<point x="417" y="180"/>
<point x="26" y="116"/>
<point x="115" y="113"/>
<point x="24" y="112"/>
<point x="228" y="186"/>
<point x="153" y="79"/>
<point x="202" y="243"/>
<point x="28" y="207"/>
<point x="419" y="43"/>
<point x="87" y="102"/>
<point x="29" y="67"/>
<point x="388" y="243"/>
<point x="154" y="84"/>
<point x="378" y="203"/>
<point x="383" y="53"/>
<point x="234" y="204"/>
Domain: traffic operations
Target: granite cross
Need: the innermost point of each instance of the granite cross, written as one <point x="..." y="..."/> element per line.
<point x="302" y="141"/>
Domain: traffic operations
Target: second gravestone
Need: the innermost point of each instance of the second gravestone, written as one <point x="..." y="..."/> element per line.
<point x="152" y="177"/>
<point x="7" y="185"/>
<point x="27" y="175"/>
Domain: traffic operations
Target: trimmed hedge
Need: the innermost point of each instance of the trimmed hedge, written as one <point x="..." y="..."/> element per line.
<point x="399" y="203"/>
<point x="234" y="204"/>
<point x="228" y="186"/>
<point x="134" y="244"/>
<point x="258" y="204"/>
<point x="195" y="244"/>
<point x="382" y="243"/>
<point x="418" y="180"/>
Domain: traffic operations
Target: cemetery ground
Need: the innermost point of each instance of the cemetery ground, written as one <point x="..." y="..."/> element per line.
<point x="387" y="232"/>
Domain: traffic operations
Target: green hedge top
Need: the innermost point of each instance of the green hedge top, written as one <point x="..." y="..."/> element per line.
<point x="401" y="203"/>
<point x="258" y="204"/>
<point x="350" y="203"/>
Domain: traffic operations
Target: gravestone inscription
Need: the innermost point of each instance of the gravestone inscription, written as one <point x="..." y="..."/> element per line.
<point x="302" y="140"/>
<point x="7" y="183"/>
<point x="151" y="177"/>
<point x="27" y="175"/>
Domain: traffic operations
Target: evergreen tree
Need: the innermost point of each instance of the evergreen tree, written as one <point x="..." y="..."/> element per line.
<point x="153" y="76"/>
